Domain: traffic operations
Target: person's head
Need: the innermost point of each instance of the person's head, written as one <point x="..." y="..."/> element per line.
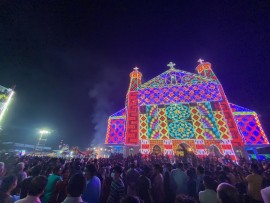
<point x="180" y="165"/>
<point x="37" y="186"/>
<point x="254" y="168"/>
<point x="90" y="171"/>
<point x="132" y="166"/>
<point x="20" y="166"/>
<point x="56" y="170"/>
<point x="191" y="173"/>
<point x="157" y="169"/>
<point x="2" y="168"/>
<point x="146" y="170"/>
<point x="226" y="169"/>
<point x="200" y="170"/>
<point x="116" y="172"/>
<point x="209" y="183"/>
<point x="184" y="199"/>
<point x="36" y="170"/>
<point x="76" y="185"/>
<point x="130" y="199"/>
<point x="226" y="193"/>
<point x="8" y="184"/>
<point x="65" y="173"/>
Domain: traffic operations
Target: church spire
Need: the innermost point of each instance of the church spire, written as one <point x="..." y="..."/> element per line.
<point x="135" y="79"/>
<point x="204" y="69"/>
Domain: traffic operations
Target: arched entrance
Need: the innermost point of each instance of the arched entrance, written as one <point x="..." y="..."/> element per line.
<point x="183" y="149"/>
<point x="214" y="150"/>
<point x="156" y="150"/>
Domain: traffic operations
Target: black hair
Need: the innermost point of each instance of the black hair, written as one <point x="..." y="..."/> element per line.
<point x="91" y="168"/>
<point x="7" y="182"/>
<point x="200" y="169"/>
<point x="118" y="169"/>
<point x="36" y="170"/>
<point x="76" y="185"/>
<point x="37" y="185"/>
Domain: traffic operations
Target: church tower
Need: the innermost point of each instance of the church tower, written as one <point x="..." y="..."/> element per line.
<point x="204" y="69"/>
<point x="132" y="107"/>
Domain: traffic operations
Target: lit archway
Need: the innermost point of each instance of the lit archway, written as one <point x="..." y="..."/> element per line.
<point x="156" y="150"/>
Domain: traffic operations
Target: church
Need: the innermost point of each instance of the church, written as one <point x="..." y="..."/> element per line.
<point x="179" y="111"/>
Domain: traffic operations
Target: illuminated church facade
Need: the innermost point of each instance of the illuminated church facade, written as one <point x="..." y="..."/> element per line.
<point x="181" y="110"/>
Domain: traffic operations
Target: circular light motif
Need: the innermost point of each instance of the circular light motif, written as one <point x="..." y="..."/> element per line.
<point x="181" y="130"/>
<point x="177" y="112"/>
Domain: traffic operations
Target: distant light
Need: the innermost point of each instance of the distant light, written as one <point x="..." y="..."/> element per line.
<point x="43" y="132"/>
<point x="6" y="105"/>
<point x="101" y="149"/>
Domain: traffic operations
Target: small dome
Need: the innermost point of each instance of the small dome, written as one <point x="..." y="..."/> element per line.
<point x="135" y="73"/>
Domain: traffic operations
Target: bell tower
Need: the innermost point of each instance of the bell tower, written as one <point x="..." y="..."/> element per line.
<point x="132" y="106"/>
<point x="204" y="69"/>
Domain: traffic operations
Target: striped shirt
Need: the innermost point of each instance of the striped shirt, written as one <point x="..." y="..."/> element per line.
<point x="117" y="191"/>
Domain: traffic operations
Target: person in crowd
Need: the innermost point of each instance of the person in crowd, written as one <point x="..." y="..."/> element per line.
<point x="93" y="187"/>
<point x="117" y="189"/>
<point x="208" y="195"/>
<point x="229" y="174"/>
<point x="191" y="183"/>
<point x="35" y="171"/>
<point x="266" y="194"/>
<point x="158" y="184"/>
<point x="131" y="178"/>
<point x="199" y="179"/>
<point x="179" y="180"/>
<point x="167" y="185"/>
<point x="143" y="186"/>
<point x="36" y="189"/>
<point x="21" y="175"/>
<point x="60" y="189"/>
<point x="227" y="193"/>
<point x="9" y="183"/>
<point x="254" y="181"/>
<point x="52" y="180"/>
<point x="75" y="188"/>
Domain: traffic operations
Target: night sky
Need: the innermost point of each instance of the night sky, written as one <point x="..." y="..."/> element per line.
<point x="70" y="60"/>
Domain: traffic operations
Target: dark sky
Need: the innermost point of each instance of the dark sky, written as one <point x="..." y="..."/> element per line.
<point x="70" y="60"/>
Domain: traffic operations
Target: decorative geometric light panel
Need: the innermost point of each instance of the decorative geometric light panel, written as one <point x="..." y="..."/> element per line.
<point x="115" y="131"/>
<point x="202" y="92"/>
<point x="251" y="129"/>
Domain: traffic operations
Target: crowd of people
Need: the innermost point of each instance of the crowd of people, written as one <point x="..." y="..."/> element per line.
<point x="134" y="179"/>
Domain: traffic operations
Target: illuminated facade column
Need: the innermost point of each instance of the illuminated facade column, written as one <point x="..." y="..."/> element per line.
<point x="132" y="114"/>
<point x="204" y="69"/>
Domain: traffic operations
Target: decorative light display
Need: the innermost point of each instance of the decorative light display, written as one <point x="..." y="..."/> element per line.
<point x="177" y="109"/>
<point x="5" y="98"/>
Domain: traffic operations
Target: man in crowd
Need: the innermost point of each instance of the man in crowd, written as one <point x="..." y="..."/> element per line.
<point x="36" y="189"/>
<point x="179" y="180"/>
<point x="93" y="187"/>
<point x="75" y="188"/>
<point x="117" y="186"/>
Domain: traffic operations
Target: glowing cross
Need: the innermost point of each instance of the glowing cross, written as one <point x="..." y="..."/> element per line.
<point x="171" y="65"/>
<point x="200" y="61"/>
<point x="136" y="68"/>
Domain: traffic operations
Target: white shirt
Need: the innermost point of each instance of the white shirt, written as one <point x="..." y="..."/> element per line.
<point x="208" y="196"/>
<point x="266" y="194"/>
<point x="29" y="199"/>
